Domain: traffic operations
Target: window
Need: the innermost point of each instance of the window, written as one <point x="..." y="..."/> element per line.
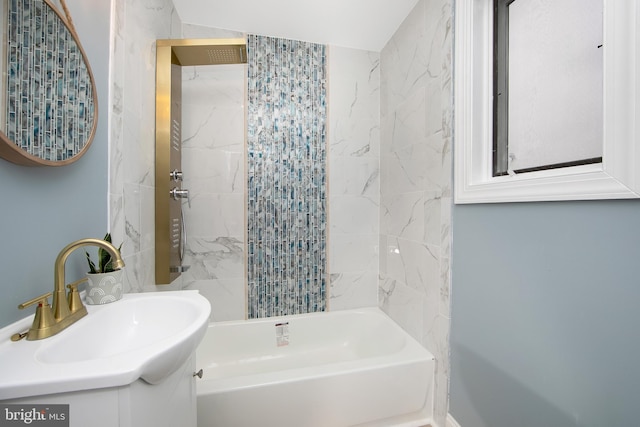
<point x="606" y="115"/>
<point x="548" y="61"/>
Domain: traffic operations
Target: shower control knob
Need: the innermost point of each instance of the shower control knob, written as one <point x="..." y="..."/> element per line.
<point x="177" y="193"/>
<point x="198" y="374"/>
<point x="175" y="175"/>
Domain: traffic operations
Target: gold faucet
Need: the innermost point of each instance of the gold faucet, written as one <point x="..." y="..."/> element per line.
<point x="66" y="310"/>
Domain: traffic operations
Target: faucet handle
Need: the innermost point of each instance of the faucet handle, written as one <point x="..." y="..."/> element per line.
<point x="43" y="321"/>
<point x="73" y="297"/>
<point x="43" y="299"/>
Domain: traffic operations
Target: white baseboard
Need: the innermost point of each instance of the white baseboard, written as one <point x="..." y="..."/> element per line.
<point x="451" y="422"/>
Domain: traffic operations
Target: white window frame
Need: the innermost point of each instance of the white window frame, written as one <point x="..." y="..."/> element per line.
<point x="615" y="178"/>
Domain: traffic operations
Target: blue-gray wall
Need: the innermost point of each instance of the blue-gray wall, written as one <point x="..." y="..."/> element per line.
<point x="545" y="319"/>
<point x="43" y="209"/>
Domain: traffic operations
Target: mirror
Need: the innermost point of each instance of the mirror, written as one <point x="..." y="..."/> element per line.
<point x="48" y="104"/>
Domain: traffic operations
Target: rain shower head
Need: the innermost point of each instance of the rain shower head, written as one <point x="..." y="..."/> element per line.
<point x="189" y="52"/>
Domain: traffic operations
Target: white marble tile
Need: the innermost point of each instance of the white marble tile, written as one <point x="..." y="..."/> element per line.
<point x="130" y="280"/>
<point x="431" y="316"/>
<point x="146" y="269"/>
<point x="438" y="341"/>
<point x="224" y="81"/>
<point x="214" y="173"/>
<point x="136" y="26"/>
<point x="145" y="22"/>
<point x="137" y="161"/>
<point x="353" y="252"/>
<point x="386" y="133"/>
<point x="214" y="258"/>
<point x="403" y="215"/>
<point x="213" y="127"/>
<point x="130" y="151"/>
<point x="403" y="304"/>
<point x="354" y="65"/>
<point x="215" y="215"/>
<point x="117" y="19"/>
<point x="354" y="99"/>
<point x="351" y="214"/>
<point x="437" y="24"/>
<point x="354" y="176"/>
<point x="116" y="101"/>
<point x="149" y="17"/>
<point x="445" y="261"/>
<point x="415" y="264"/>
<point x="395" y="262"/>
<point x="405" y="170"/>
<point x="199" y="128"/>
<point x="118" y="58"/>
<point x="433" y="107"/>
<point x="434" y="220"/>
<point x="446" y="181"/>
<point x="226" y="296"/>
<point x="435" y="177"/>
<point x="354" y="181"/>
<point x="434" y="32"/>
<point x="405" y="58"/>
<point x="353" y="289"/>
<point x="191" y="31"/>
<point x="147" y="218"/>
<point x="210" y="171"/>
<point x="116" y="149"/>
<point x="382" y="254"/>
<point x="176" y="24"/>
<point x="132" y="205"/>
<point x="444" y="300"/>
<point x="410" y="120"/>
<point x="116" y="216"/>
<point x="139" y="271"/>
<point x="416" y="117"/>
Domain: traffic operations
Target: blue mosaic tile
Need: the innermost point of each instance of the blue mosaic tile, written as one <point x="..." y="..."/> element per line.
<point x="287" y="210"/>
<point x="49" y="106"/>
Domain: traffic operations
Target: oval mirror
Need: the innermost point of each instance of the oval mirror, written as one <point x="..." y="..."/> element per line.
<point x="48" y="104"/>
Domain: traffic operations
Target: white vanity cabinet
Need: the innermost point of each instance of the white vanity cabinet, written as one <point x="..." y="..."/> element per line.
<point x="170" y="403"/>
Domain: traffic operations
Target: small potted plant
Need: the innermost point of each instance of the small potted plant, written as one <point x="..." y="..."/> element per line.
<point x="104" y="283"/>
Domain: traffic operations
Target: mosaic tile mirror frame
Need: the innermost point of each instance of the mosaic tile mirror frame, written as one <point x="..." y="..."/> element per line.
<point x="48" y="107"/>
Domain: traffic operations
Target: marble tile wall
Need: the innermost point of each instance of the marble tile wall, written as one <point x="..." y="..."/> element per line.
<point x="415" y="163"/>
<point x="135" y="27"/>
<point x="213" y="159"/>
<point x="213" y="132"/>
<point x="354" y="176"/>
<point x="213" y="156"/>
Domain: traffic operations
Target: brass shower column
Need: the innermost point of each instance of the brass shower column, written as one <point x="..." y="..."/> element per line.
<point x="171" y="56"/>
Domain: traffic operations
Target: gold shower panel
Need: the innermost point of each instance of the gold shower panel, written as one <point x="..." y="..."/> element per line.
<point x="171" y="56"/>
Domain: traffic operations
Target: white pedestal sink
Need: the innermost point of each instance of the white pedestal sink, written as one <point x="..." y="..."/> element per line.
<point x="138" y="347"/>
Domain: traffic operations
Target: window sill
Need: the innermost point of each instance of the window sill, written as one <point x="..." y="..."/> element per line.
<point x="575" y="183"/>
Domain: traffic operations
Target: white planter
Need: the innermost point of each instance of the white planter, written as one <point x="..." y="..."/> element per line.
<point x="103" y="288"/>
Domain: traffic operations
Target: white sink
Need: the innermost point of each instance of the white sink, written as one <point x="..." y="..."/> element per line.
<point x="146" y="335"/>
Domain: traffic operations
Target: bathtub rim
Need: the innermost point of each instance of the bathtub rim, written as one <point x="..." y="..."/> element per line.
<point x="411" y="353"/>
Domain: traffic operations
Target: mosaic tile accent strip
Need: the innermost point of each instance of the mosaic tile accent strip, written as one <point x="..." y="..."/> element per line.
<point x="45" y="67"/>
<point x="287" y="210"/>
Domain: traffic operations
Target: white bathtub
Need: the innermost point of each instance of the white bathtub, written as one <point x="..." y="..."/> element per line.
<point x="343" y="368"/>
